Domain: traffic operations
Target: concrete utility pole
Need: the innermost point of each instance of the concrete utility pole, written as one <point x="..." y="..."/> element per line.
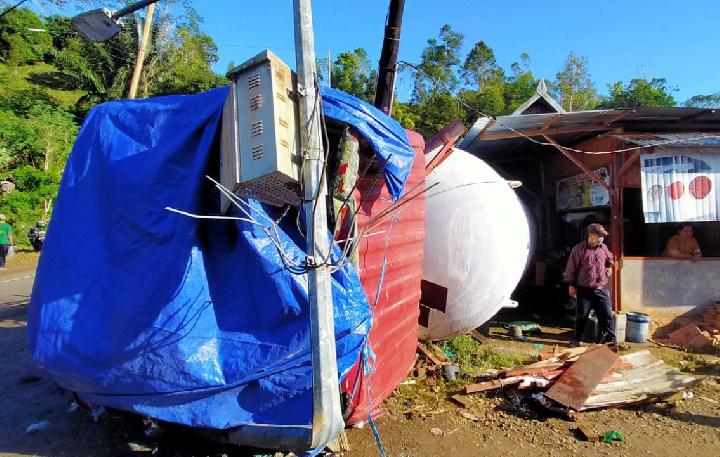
<point x="327" y="417"/>
<point x="147" y="27"/>
<point x="385" y="91"/>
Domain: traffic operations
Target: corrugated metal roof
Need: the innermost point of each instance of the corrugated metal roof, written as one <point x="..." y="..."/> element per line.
<point x="504" y="136"/>
<point x="393" y="336"/>
<point x="676" y="140"/>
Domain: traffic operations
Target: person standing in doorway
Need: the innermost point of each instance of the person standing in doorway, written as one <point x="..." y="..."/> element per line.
<point x="5" y="240"/>
<point x="588" y="272"/>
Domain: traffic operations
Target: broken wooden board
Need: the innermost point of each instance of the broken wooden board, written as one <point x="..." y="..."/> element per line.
<point x="461" y="400"/>
<point x="573" y="388"/>
<point x="429" y="355"/>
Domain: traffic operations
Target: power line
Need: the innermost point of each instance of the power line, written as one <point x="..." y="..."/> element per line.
<point x="12" y="8"/>
<point x="442" y="86"/>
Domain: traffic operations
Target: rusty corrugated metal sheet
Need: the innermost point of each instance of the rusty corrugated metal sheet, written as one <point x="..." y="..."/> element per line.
<point x="393" y="337"/>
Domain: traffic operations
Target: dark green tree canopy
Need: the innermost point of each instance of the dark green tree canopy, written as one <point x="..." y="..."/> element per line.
<point x="639" y="92"/>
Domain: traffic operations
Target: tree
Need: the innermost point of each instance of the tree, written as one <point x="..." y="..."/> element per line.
<point x="485" y="79"/>
<point x="352" y="72"/>
<point x="711" y="101"/>
<point x="574" y="86"/>
<point x="437" y="64"/>
<point x="639" y="92"/>
<point x="19" y="45"/>
<point x="521" y="85"/>
<point x="186" y="67"/>
<point x="436" y="83"/>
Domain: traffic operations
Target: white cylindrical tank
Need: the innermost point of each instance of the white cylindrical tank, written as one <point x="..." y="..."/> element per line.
<point x="477" y="242"/>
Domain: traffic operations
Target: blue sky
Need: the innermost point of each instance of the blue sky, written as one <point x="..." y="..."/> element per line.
<point x="674" y="39"/>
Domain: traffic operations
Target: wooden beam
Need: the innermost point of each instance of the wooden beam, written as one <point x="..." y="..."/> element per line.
<point x="551" y="121"/>
<point x="477" y="138"/>
<point x="628" y="163"/>
<point x="620" y="115"/>
<point x="580" y="165"/>
<point x="542" y="132"/>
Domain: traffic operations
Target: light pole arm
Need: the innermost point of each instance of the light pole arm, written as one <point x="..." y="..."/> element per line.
<point x="132" y="8"/>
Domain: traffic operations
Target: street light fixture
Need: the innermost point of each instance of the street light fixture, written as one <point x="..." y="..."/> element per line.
<point x="102" y="24"/>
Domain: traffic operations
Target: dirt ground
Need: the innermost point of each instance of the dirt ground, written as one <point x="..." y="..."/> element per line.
<point x="689" y="427"/>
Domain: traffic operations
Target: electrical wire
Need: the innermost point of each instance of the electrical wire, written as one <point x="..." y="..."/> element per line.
<point x="443" y="86"/>
<point x="12" y="7"/>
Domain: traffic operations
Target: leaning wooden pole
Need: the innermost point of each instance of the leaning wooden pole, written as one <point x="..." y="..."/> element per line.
<point x="147" y="27"/>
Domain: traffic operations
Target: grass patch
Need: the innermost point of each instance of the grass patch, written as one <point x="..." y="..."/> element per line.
<point x="475" y="359"/>
<point x="17" y="78"/>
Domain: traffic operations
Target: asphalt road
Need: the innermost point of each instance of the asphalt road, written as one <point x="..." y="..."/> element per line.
<point x="15" y="289"/>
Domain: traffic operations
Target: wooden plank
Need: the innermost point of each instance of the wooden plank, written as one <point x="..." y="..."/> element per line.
<point x="580" y="165"/>
<point x="574" y="387"/>
<point x="429" y="355"/>
<point x="628" y="163"/>
<point x="540" y="132"/>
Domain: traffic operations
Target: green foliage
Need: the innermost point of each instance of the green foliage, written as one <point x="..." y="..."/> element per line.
<point x="185" y="67"/>
<point x="18" y="44"/>
<point x="437" y="65"/>
<point x="521" y="85"/>
<point x="703" y="101"/>
<point x="405" y="114"/>
<point x="574" y="86"/>
<point x="436" y="82"/>
<point x="352" y="73"/>
<point x="474" y="359"/>
<point x="639" y="92"/>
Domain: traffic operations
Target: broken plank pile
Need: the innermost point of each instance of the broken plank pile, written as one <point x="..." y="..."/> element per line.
<point x="699" y="332"/>
<point x="582" y="379"/>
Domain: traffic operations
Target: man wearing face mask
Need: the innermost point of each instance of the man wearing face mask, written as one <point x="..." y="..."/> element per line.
<point x="588" y="271"/>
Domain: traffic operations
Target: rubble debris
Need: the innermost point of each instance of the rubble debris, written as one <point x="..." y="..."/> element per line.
<point x="461" y="400"/>
<point x="340" y="444"/>
<point x="468" y="416"/>
<point x="428" y="355"/>
<point x="136" y="447"/>
<point x="586" y="435"/>
<point x="647" y="380"/>
<point x="583" y="379"/>
<point x="576" y="384"/>
<point x="690" y="336"/>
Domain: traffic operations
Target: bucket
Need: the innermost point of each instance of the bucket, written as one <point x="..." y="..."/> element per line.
<point x="620" y="321"/>
<point x="638" y="325"/>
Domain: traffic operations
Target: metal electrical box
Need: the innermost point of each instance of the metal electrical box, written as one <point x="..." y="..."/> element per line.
<point x="261" y="154"/>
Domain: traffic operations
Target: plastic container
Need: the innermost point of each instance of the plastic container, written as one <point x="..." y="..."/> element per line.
<point x="638" y="325"/>
<point x="620" y="321"/>
<point x="591" y="331"/>
<point x="451" y="372"/>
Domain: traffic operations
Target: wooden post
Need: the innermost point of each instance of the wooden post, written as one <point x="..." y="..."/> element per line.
<point x="141" y="51"/>
<point x="616" y="227"/>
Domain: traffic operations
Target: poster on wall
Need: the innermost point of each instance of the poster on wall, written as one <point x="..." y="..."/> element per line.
<point x="680" y="187"/>
<point x="581" y="192"/>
